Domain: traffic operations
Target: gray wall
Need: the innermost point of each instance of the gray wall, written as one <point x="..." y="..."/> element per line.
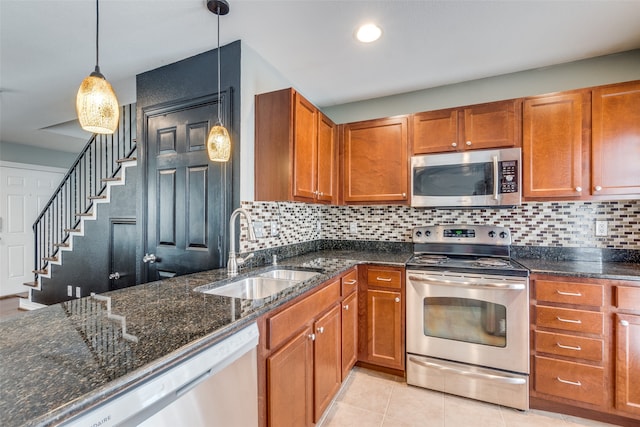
<point x="19" y="153"/>
<point x="601" y="70"/>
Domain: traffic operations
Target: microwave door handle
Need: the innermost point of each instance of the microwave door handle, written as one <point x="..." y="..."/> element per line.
<point x="495" y="177"/>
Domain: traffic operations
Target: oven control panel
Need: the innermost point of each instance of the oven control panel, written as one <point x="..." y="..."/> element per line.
<point x="475" y="234"/>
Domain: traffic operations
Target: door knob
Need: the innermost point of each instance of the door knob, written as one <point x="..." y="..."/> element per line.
<point x="114" y="276"/>
<point x="150" y="258"/>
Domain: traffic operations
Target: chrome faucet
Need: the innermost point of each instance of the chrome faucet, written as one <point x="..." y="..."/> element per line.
<point x="234" y="260"/>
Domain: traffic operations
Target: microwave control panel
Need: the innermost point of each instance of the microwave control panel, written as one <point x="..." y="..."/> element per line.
<point x="509" y="176"/>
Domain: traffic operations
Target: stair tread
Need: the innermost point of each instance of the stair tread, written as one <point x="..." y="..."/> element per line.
<point x="31" y="284"/>
<point x="85" y="214"/>
<point x="45" y="271"/>
<point x="102" y="196"/>
<point x="115" y="178"/>
<point x="50" y="258"/>
<point x="126" y="159"/>
<point x="71" y="230"/>
<point x="24" y="294"/>
<point x="61" y="245"/>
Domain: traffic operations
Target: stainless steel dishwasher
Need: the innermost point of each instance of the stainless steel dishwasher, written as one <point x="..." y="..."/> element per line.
<point x="214" y="388"/>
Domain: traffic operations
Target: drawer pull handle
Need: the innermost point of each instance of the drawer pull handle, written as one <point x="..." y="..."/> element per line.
<point x="569" y="320"/>
<point x="383" y="279"/>
<point x="569" y="347"/>
<point x="350" y="282"/>
<point x="569" y="294"/>
<point x="624" y="323"/>
<point x="578" y="383"/>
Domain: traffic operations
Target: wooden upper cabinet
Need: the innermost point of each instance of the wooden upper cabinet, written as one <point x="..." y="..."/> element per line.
<point x="474" y="127"/>
<point x="552" y="145"/>
<point x="327" y="174"/>
<point x="295" y="149"/>
<point x="615" y="168"/>
<point x="376" y="161"/>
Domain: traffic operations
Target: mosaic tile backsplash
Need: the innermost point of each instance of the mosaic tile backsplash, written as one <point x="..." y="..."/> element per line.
<point x="553" y="224"/>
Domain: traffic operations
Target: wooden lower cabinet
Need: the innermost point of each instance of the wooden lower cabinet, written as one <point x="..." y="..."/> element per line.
<point x="290" y="382"/>
<point x="627" y="352"/>
<point x="382" y="341"/>
<point x="349" y="333"/>
<point x="306" y="348"/>
<point x="585" y="347"/>
<point x="327" y="360"/>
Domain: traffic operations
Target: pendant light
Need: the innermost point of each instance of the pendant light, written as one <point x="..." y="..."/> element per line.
<point x="218" y="141"/>
<point x="96" y="103"/>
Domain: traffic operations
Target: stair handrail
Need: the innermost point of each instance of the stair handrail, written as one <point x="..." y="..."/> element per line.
<point x="99" y="159"/>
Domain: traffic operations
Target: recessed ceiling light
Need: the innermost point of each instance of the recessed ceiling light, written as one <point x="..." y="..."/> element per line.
<point x="368" y="33"/>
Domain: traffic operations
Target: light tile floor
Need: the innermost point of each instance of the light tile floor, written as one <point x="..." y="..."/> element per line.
<point x="369" y="398"/>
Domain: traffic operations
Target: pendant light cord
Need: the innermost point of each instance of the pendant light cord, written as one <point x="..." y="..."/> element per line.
<point x="219" y="116"/>
<point x="97" y="31"/>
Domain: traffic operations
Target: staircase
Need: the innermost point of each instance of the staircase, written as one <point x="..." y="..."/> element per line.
<point x="101" y="165"/>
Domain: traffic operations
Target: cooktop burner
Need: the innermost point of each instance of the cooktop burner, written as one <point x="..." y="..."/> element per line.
<point x="481" y="249"/>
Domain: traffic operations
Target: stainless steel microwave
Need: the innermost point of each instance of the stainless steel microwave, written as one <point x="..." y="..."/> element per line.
<point x="480" y="178"/>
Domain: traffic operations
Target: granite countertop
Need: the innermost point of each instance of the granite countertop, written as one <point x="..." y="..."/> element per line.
<point x="592" y="269"/>
<point x="63" y="359"/>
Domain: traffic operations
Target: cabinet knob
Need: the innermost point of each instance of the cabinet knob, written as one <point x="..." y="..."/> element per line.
<point x="454" y="144"/>
<point x="468" y="143"/>
<point x="598" y="188"/>
<point x="578" y="189"/>
<point x="321" y="330"/>
<point x="397" y="299"/>
<point x="321" y="194"/>
<point x="312" y="337"/>
<point x="624" y="323"/>
<point x="346" y="307"/>
<point x="404" y="194"/>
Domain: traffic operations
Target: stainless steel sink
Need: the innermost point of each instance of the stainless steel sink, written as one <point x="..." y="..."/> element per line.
<point x="289" y="274"/>
<point x="251" y="288"/>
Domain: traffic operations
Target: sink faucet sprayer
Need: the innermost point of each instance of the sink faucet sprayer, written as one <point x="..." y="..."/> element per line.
<point x="234" y="261"/>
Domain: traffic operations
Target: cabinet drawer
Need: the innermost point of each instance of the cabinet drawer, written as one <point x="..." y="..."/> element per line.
<point x="384" y="277"/>
<point x="284" y="324"/>
<point x="349" y="282"/>
<point x="591" y="322"/>
<point x="569" y="345"/>
<point x="628" y="297"/>
<point x="570" y="380"/>
<point x="569" y="293"/>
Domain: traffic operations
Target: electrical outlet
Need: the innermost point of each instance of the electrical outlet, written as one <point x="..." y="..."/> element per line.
<point x="601" y="228"/>
<point x="258" y="229"/>
<point x="275" y="228"/>
<point x="78" y="292"/>
<point x="353" y="228"/>
<point x="69" y="290"/>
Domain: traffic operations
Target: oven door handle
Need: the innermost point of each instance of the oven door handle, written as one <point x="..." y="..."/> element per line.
<point x="475" y="284"/>
<point x="469" y="374"/>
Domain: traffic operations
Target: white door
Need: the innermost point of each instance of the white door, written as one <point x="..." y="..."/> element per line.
<point x="23" y="193"/>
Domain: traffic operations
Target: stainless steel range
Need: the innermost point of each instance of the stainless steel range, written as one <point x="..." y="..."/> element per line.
<point x="468" y="314"/>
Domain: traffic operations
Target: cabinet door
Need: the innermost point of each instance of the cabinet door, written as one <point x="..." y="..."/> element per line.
<point x="491" y="125"/>
<point x="616" y="139"/>
<point x="305" y="159"/>
<point x="375" y="160"/>
<point x="326" y="159"/>
<point x="552" y="146"/>
<point x="290" y="383"/>
<point x="384" y="329"/>
<point x="435" y="131"/>
<point x="349" y="333"/>
<point x="628" y="363"/>
<point x="327" y="369"/>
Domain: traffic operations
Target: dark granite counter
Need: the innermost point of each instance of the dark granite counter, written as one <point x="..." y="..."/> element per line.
<point x="593" y="269"/>
<point x="64" y="359"/>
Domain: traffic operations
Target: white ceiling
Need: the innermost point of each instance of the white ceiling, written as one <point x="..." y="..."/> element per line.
<point x="47" y="47"/>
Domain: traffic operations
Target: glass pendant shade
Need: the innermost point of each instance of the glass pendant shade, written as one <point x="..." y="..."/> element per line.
<point x="97" y="105"/>
<point x="219" y="144"/>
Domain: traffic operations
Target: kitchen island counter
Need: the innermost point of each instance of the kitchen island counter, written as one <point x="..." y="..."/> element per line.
<point x="64" y="359"/>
